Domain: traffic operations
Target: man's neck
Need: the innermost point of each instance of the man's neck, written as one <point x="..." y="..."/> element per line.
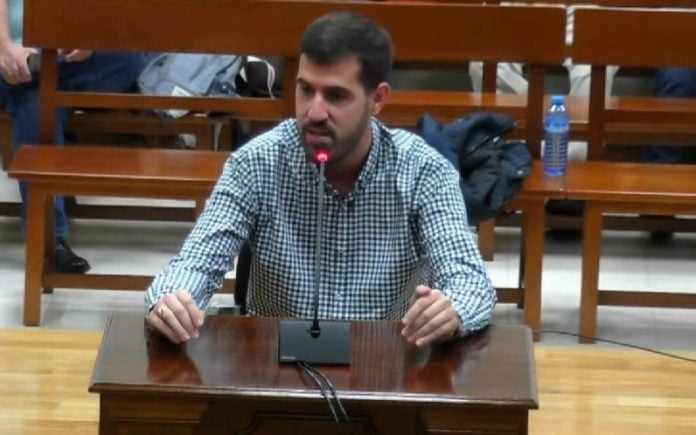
<point x="343" y="175"/>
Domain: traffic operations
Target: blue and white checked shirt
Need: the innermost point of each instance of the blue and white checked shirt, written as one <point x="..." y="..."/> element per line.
<point x="405" y="211"/>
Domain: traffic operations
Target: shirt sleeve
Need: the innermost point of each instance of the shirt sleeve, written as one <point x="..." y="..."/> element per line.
<point x="216" y="238"/>
<point x="450" y="247"/>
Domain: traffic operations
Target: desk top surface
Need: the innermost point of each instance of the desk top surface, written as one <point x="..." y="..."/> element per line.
<point x="237" y="356"/>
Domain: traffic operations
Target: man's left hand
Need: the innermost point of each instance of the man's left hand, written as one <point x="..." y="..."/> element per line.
<point x="431" y="318"/>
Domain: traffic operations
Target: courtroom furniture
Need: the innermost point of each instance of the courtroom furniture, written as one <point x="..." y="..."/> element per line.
<point x="185" y="174"/>
<point x="635" y="38"/>
<point x="118" y="172"/>
<point x="638" y="41"/>
<point x="5" y="139"/>
<point x="229" y="381"/>
<point x="203" y="27"/>
<point x="625" y="188"/>
<point x="581" y="390"/>
<point x="200" y="27"/>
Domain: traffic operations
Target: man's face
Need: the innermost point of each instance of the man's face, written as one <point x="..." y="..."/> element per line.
<point x="332" y="109"/>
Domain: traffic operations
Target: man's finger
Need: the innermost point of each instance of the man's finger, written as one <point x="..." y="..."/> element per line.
<point x="182" y="315"/>
<point x="413" y="314"/>
<point x="437" y="315"/>
<point x="160" y="326"/>
<point x="416" y="305"/>
<point x="197" y="315"/>
<point x="425" y="311"/>
<point x="444" y="331"/>
<point x="169" y="317"/>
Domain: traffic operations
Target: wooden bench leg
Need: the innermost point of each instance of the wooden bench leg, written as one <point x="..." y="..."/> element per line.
<point x="38" y="221"/>
<point x="591" y="251"/>
<point x="200" y="205"/>
<point x="6" y="140"/>
<point x="533" y="231"/>
<point x="486" y="239"/>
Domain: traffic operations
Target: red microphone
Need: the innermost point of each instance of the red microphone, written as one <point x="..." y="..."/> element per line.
<point x="301" y="340"/>
<point x="322" y="156"/>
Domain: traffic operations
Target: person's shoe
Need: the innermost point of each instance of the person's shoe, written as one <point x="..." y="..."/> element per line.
<point x="660" y="236"/>
<point x="66" y="261"/>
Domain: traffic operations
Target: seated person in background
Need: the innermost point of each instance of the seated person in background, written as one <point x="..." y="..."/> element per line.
<point x="670" y="83"/>
<point x="392" y="205"/>
<point x="78" y="70"/>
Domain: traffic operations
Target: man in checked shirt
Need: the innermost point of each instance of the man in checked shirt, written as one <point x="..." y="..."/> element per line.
<point x="392" y="207"/>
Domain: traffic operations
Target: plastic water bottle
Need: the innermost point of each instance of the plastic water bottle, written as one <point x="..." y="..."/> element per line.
<point x="556" y="127"/>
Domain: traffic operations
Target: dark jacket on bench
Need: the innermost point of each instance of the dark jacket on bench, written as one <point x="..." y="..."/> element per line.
<point x="491" y="168"/>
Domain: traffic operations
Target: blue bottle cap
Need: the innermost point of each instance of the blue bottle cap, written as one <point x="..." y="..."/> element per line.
<point x="557" y="99"/>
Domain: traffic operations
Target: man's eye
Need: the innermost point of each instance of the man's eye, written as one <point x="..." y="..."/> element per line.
<point x="304" y="89"/>
<point x="335" y="96"/>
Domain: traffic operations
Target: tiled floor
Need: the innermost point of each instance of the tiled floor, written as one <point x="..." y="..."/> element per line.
<point x="630" y="260"/>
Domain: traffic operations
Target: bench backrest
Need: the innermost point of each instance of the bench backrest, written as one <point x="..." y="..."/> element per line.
<point x="635" y="38"/>
<point x="429" y="34"/>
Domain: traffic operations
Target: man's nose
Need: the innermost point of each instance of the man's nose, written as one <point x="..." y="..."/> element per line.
<point x="317" y="108"/>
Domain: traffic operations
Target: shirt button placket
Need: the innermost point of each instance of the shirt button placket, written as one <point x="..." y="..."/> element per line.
<point x="342" y="233"/>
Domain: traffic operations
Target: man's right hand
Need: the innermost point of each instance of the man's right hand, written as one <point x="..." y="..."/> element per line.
<point x="13" y="63"/>
<point x="176" y="316"/>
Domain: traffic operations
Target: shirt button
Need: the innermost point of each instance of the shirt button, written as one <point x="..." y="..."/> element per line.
<point x="339" y="295"/>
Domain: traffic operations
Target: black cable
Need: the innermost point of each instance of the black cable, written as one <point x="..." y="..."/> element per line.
<point x="319" y="385"/>
<point x="632" y="346"/>
<point x="333" y="392"/>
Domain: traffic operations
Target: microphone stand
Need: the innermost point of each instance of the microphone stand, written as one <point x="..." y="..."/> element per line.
<point x="299" y="340"/>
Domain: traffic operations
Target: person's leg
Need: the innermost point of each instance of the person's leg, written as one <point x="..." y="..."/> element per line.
<point x="22" y="104"/>
<point x="670" y="83"/>
<point x="103" y="72"/>
<point x="23" y="107"/>
<point x="579" y="76"/>
<point x="509" y="78"/>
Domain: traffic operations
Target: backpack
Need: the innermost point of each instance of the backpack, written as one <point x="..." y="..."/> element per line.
<point x="189" y="74"/>
<point x="491" y="168"/>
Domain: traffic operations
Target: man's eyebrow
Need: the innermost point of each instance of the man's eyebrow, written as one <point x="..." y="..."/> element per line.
<point x="331" y="88"/>
<point x="302" y="81"/>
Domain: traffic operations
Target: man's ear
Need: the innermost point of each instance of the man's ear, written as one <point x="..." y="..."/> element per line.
<point x="379" y="97"/>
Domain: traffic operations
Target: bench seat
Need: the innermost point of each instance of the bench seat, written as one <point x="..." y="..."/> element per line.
<point x="190" y="174"/>
<point x="90" y="170"/>
<point x="612" y="187"/>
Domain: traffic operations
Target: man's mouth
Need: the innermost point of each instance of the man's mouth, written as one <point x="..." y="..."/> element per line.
<point x="317" y="136"/>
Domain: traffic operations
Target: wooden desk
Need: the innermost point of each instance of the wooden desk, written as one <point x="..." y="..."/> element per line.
<point x="228" y="381"/>
<point x="611" y="187"/>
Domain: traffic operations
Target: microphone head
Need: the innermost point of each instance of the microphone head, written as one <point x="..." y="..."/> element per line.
<point x="322" y="156"/>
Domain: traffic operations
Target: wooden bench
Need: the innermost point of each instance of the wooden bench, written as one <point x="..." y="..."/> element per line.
<point x="204" y="26"/>
<point x="642" y="39"/>
<point x="625" y="188"/>
<point x="83" y="170"/>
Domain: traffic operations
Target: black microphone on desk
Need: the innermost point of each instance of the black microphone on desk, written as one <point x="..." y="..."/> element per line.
<point x="299" y="340"/>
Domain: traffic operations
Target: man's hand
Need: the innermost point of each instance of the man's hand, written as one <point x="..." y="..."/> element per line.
<point x="75" y="54"/>
<point x="13" y="63"/>
<point x="431" y="318"/>
<point x="176" y="316"/>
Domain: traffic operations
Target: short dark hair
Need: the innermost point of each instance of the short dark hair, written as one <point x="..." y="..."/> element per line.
<point x="340" y="35"/>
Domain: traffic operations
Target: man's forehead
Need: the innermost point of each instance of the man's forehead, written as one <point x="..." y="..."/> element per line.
<point x="349" y="65"/>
